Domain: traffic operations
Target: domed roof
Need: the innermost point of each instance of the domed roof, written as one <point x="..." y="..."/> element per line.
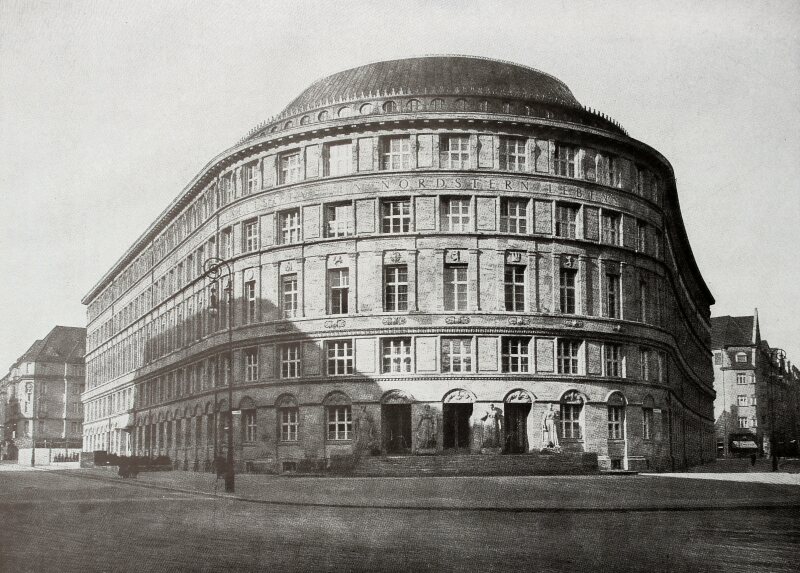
<point x="446" y="75"/>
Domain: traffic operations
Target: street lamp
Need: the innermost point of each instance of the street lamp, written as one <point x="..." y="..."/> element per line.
<point x="780" y="355"/>
<point x="214" y="269"/>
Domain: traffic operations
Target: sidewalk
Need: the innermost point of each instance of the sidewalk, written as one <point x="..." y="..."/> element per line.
<point x="518" y="493"/>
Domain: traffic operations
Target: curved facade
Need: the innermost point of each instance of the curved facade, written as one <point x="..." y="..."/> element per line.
<point x="429" y="255"/>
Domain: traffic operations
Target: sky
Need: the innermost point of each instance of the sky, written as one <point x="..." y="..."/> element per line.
<point x="108" y="109"/>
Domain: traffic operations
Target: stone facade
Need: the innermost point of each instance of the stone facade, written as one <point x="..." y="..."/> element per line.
<point x="417" y="268"/>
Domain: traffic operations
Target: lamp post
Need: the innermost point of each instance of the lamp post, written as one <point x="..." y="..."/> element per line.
<point x="214" y="269"/>
<point x="780" y="355"/>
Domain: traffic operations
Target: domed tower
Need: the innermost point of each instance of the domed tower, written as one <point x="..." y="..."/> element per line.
<point x="444" y="254"/>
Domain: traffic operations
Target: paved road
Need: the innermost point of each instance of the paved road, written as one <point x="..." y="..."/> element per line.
<point x="57" y="522"/>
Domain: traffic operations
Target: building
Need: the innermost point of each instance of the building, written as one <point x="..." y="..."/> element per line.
<point x="428" y="255"/>
<point x="756" y="406"/>
<point x="41" y="392"/>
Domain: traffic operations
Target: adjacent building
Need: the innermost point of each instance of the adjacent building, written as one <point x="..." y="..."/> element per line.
<point x="41" y="394"/>
<point x="422" y="256"/>
<point x="756" y="407"/>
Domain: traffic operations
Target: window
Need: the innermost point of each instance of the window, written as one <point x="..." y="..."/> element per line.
<point x="612" y="295"/>
<point x="460" y="105"/>
<point x="340" y="424"/>
<point x="512" y="154"/>
<point x="250" y="236"/>
<point x="610" y="224"/>
<point x="483" y="105"/>
<point x="396" y="216"/>
<point x="251" y="365"/>
<point x="289" y="424"/>
<point x="395" y="288"/>
<point x="752" y="400"/>
<point x="644" y="363"/>
<point x="289" y="223"/>
<point x="515" y="355"/>
<point x="305" y="120"/>
<point x="437" y="104"/>
<point x="615" y="419"/>
<point x="289" y="295"/>
<point x="568" y="356"/>
<point x="396" y="354"/>
<point x="613" y="360"/>
<point x="643" y="301"/>
<point x="454" y="152"/>
<point x="741" y="357"/>
<point x="455" y="214"/>
<point x="338" y="159"/>
<point x="290" y="360"/>
<point x="390" y="107"/>
<point x="395" y="153"/>
<point x="614" y="172"/>
<point x="565" y="160"/>
<point x="743" y="422"/>
<point x="741" y="378"/>
<point x="344" y="112"/>
<point x="455" y="287"/>
<point x="225" y="245"/>
<point x="250" y="425"/>
<point x="366" y="109"/>
<point x="413" y="105"/>
<point x="338" y="291"/>
<point x="290" y="167"/>
<point x="251" y="177"/>
<point x="339" y="220"/>
<point x="647" y="423"/>
<point x="323" y="116"/>
<point x="566" y="220"/>
<point x="340" y="357"/>
<point x="567" y="290"/>
<point x="641" y="233"/>
<point x="571" y="411"/>
<point x="456" y="355"/>
<point x="250" y="302"/>
<point x="741" y="400"/>
<point x="514" y="216"/>
<point x="515" y="287"/>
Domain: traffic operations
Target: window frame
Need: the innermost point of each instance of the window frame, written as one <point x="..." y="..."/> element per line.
<point x="510" y="219"/>
<point x="395" y="153"/>
<point x="568" y="290"/>
<point x="456" y="214"/>
<point x="290" y="362"/>
<point x="338" y="291"/>
<point x="334" y="227"/>
<point x="344" y="164"/>
<point x="396" y="355"/>
<point x="289" y="295"/>
<point x="289" y="420"/>
<point x="390" y="219"/>
<point x="290" y="167"/>
<point x="395" y="290"/>
<point x="515" y="354"/>
<point x="251" y="366"/>
<point x="339" y="357"/>
<point x="514" y="289"/>
<point x="454" y="156"/>
<point x="456" y="362"/>
<point x="568" y="362"/>
<point x="340" y="425"/>
<point x="513" y="158"/>
<point x="456" y="288"/>
<point x="566" y="220"/>
<point x="290" y="226"/>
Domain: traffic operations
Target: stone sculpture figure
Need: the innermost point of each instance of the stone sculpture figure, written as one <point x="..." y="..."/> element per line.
<point x="492" y="427"/>
<point x="426" y="429"/>
<point x="549" y="434"/>
<point x="365" y="431"/>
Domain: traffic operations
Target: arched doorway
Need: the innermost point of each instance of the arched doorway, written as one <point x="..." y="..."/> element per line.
<point x="396" y="422"/>
<point x="517" y="409"/>
<point x="456" y="416"/>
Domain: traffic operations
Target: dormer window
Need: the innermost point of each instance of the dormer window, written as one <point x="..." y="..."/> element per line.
<point x="741" y="357"/>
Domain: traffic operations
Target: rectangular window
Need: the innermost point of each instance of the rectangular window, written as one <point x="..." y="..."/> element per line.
<point x="615" y="422"/>
<point x="454" y="152"/>
<point x="339" y="220"/>
<point x="741" y="378"/>
<point x="752" y="399"/>
<point x="290" y="167"/>
<point x="514" y="216"/>
<point x="512" y="154"/>
<point x="643" y="301"/>
<point x="250" y="425"/>
<point x="340" y="424"/>
<point x="225" y="245"/>
<point x="647" y="423"/>
<point x="290" y="360"/>
<point x="610" y="225"/>
<point x="251" y="365"/>
<point x="565" y="160"/>
<point x="514" y="283"/>
<point x="250" y="302"/>
<point x="455" y="287"/>
<point x="396" y="354"/>
<point x="456" y="355"/>
<point x="251" y="177"/>
<point x="612" y="295"/>
<point x="289" y="295"/>
<point x="338" y="159"/>
<point x="568" y="356"/>
<point x="743" y="422"/>
<point x="741" y="400"/>
<point x="289" y="225"/>
<point x="340" y="357"/>
<point x="614" y="172"/>
<point x="741" y="357"/>
<point x="515" y="354"/>
<point x="338" y="291"/>
<point x="455" y="214"/>
<point x="395" y="153"/>
<point x="641" y="233"/>
<point x="566" y="220"/>
<point x="250" y="236"/>
<point x="644" y="363"/>
<point x="289" y="418"/>
<point x="396" y="216"/>
<point x="567" y="290"/>
<point x="571" y="421"/>
<point x="395" y="288"/>
<point x="613" y="360"/>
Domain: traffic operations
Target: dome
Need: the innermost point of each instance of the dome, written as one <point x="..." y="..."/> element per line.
<point x="445" y="75"/>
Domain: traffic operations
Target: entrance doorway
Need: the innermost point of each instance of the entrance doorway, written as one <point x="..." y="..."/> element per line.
<point x="396" y="426"/>
<point x="516" y="420"/>
<point x="456" y="425"/>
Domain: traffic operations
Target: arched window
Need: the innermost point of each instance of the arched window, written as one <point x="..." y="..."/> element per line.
<point x="366" y="108"/>
<point x="323" y="115"/>
<point x="305" y="120"/>
<point x="345" y="111"/>
<point x="389" y="107"/>
<point x="437" y="104"/>
<point x="273" y="129"/>
<point x="413" y="105"/>
<point x="483" y="105"/>
<point x="288" y="124"/>
<point x="461" y="105"/>
<point x="572" y="415"/>
<point x="616" y="416"/>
